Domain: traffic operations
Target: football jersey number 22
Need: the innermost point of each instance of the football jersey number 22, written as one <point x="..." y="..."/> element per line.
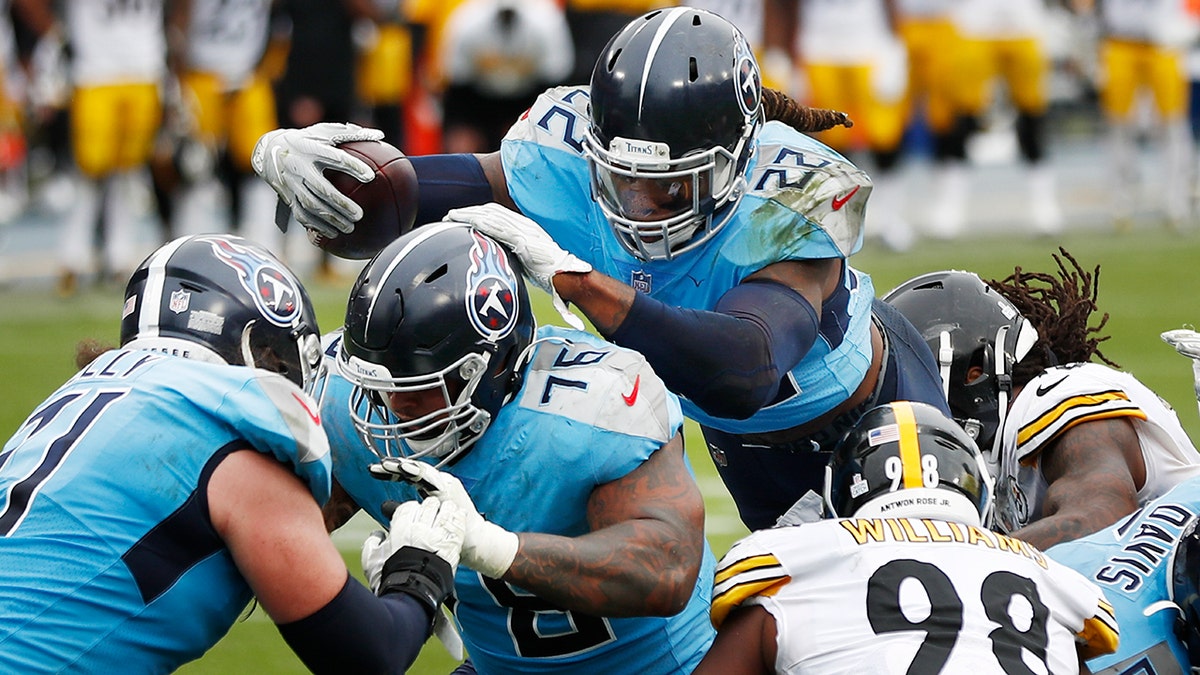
<point x="945" y="618"/>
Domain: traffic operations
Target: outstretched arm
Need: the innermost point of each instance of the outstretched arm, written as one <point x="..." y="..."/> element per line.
<point x="1093" y="470"/>
<point x="728" y="359"/>
<point x="293" y="162"/>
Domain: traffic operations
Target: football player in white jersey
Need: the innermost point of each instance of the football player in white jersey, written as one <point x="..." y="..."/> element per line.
<point x="229" y="99"/>
<point x="1142" y="51"/>
<point x="905" y="578"/>
<point x="118" y="56"/>
<point x="1002" y="39"/>
<point x="1077" y="445"/>
<point x="855" y="60"/>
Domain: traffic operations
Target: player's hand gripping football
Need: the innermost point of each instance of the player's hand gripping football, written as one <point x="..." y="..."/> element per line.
<point x="539" y="254"/>
<point x="487" y="548"/>
<point x="293" y="161"/>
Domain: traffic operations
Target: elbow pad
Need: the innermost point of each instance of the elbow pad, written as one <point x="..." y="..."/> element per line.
<point x="729" y="361"/>
<point x="447" y="182"/>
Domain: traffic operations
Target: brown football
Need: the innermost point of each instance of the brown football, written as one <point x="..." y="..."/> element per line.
<point x="388" y="201"/>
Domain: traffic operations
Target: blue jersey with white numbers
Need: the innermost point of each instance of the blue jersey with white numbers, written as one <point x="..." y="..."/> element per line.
<point x="802" y="203"/>
<point x="1131" y="562"/>
<point x="588" y="413"/>
<point x="108" y="561"/>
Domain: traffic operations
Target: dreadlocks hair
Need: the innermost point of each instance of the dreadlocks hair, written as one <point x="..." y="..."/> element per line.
<point x="1059" y="307"/>
<point x="780" y="107"/>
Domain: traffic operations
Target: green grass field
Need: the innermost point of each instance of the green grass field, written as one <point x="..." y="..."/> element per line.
<point x="1148" y="284"/>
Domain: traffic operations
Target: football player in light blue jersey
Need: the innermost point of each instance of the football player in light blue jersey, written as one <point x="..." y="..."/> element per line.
<point x="1149" y="567"/>
<point x="171" y="480"/>
<point x="592" y="557"/>
<point x="687" y="215"/>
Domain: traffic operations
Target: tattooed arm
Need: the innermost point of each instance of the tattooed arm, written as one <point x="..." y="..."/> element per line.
<point x="643" y="554"/>
<point x="1094" y="471"/>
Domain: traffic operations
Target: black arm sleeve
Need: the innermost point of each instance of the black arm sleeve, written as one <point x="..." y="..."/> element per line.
<point x="447" y="182"/>
<point x="728" y="361"/>
<point x="359" y="633"/>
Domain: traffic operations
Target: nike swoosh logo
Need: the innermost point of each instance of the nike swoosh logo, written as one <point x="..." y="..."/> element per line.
<point x="1041" y="391"/>
<point x="316" y="419"/>
<point x="839" y="202"/>
<point x="632" y="397"/>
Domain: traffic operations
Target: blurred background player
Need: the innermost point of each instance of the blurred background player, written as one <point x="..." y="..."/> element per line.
<point x="318" y="83"/>
<point x="173" y="480"/>
<point x="387" y="46"/>
<point x="854" y="62"/>
<point x="599" y="568"/>
<point x="1077" y="445"/>
<point x="118" y="59"/>
<point x="14" y="177"/>
<point x="497" y="56"/>
<point x="930" y="40"/>
<point x="1000" y="40"/>
<point x="1142" y="53"/>
<point x="907" y="489"/>
<point x="594" y="22"/>
<point x="230" y="102"/>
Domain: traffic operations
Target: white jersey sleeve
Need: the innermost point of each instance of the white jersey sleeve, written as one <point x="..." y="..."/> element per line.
<point x="1065" y="396"/>
<point x="913" y="595"/>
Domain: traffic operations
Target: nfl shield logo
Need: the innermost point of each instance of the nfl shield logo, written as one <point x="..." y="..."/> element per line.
<point x="179" y="301"/>
<point x="640" y="281"/>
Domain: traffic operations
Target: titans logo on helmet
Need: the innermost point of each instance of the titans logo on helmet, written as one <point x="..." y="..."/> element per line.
<point x="492" y="301"/>
<point x="274" y="291"/>
<point x="749" y="85"/>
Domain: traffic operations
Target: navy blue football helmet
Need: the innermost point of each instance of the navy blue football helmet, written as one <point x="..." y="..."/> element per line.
<point x="908" y="460"/>
<point x="1185" y="589"/>
<point x="223" y="299"/>
<point x="676" y="105"/>
<point x="442" y="308"/>
<point x="968" y="324"/>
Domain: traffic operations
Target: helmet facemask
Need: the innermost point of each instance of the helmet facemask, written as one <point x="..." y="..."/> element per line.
<point x="691" y="198"/>
<point x="444" y="433"/>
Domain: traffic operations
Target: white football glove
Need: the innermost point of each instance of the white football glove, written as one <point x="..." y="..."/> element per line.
<point x="433" y="525"/>
<point x="1187" y="342"/>
<point x="539" y="254"/>
<point x="292" y="161"/>
<point x="487" y="548"/>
